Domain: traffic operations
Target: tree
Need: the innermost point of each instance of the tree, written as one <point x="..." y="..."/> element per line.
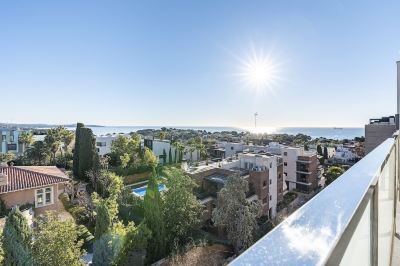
<point x="133" y="245"/>
<point x="170" y="156"/>
<point x="325" y="152"/>
<point x="127" y="147"/>
<point x="164" y="157"/>
<point x="175" y="145"/>
<point x="319" y="149"/>
<point x="56" y="242"/>
<point x="149" y="158"/>
<point x="106" y="249"/>
<point x="154" y="220"/>
<point x="162" y="135"/>
<point x="37" y="153"/>
<point x="103" y="220"/>
<point x="79" y="126"/>
<point x="333" y="173"/>
<point x="306" y="147"/>
<point x="17" y="240"/>
<point x="85" y="154"/>
<point x="53" y="142"/>
<point x="26" y="139"/>
<point x="182" y="210"/>
<point x="235" y="214"/>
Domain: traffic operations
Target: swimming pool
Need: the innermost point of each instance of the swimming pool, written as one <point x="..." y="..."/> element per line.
<point x="141" y="191"/>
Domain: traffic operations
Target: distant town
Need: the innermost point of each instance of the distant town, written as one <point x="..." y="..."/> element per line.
<point x="149" y="181"/>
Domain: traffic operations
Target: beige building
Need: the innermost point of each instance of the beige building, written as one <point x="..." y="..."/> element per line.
<point x="37" y="185"/>
<point x="377" y="131"/>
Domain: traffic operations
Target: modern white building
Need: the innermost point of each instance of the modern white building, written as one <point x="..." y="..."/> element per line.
<point x="103" y="143"/>
<point x="159" y="146"/>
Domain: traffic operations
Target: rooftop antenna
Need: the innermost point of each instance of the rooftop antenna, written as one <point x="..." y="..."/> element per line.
<point x="255" y="119"/>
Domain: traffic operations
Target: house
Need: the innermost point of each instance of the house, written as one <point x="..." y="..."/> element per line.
<point x="161" y="146"/>
<point x="344" y="154"/>
<point x="37" y="185"/>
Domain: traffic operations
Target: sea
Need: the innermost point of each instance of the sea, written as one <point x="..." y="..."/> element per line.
<point x="314" y="132"/>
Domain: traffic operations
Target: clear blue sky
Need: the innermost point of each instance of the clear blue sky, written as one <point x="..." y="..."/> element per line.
<point x="175" y="62"/>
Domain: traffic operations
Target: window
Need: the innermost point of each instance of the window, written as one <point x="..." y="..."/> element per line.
<point x="101" y="144"/>
<point x="231" y="148"/>
<point x="284" y="153"/>
<point x="270" y="197"/>
<point x="3" y="138"/>
<point x="270" y="181"/>
<point x="270" y="165"/>
<point x="285" y="173"/>
<point x="12" y="147"/>
<point x="285" y="163"/>
<point x="11" y="138"/>
<point x="279" y="175"/>
<point x="264" y="183"/>
<point x="44" y="196"/>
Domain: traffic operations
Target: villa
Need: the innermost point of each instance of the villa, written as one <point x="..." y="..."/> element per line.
<point x="36" y="185"/>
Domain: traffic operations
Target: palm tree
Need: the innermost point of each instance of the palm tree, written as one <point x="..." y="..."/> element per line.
<point x="37" y="152"/>
<point x="26" y="139"/>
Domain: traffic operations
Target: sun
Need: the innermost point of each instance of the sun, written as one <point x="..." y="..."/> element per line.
<point x="259" y="70"/>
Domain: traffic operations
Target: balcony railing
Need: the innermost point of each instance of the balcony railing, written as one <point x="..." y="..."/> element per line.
<point x="350" y="222"/>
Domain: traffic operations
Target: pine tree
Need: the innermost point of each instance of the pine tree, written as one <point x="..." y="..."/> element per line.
<point x="153" y="218"/>
<point x="170" y="156"/>
<point x="17" y="240"/>
<point x="76" y="149"/>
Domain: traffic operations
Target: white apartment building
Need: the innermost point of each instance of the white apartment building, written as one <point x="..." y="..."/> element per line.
<point x="158" y="147"/>
<point x="9" y="138"/>
<point x="231" y="148"/>
<point x="299" y="168"/>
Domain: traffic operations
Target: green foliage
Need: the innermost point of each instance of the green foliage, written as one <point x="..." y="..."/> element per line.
<point x="103" y="220"/>
<point x="154" y="220"/>
<point x="134" y="245"/>
<point x="170" y="161"/>
<point x="1" y="251"/>
<point x="125" y="150"/>
<point x="79" y="126"/>
<point x="182" y="211"/>
<point x="85" y="236"/>
<point x="325" y="152"/>
<point x="149" y="158"/>
<point x="164" y="157"/>
<point x="37" y="153"/>
<point x="319" y="149"/>
<point x="235" y="214"/>
<point x="3" y="209"/>
<point x="17" y="240"/>
<point x="87" y="152"/>
<point x="130" y="207"/>
<point x="333" y="173"/>
<point x="56" y="242"/>
<point x="106" y="249"/>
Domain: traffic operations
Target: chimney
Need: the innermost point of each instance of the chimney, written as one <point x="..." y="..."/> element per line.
<point x="398" y="96"/>
<point x="3" y="179"/>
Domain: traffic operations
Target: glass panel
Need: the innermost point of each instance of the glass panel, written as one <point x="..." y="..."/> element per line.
<point x="39" y="199"/>
<point x="48" y="189"/>
<point x="39" y="191"/>
<point x="48" y="197"/>
<point x="359" y="249"/>
<point x="386" y="211"/>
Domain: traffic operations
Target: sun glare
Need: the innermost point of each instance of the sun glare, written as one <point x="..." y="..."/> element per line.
<point x="259" y="71"/>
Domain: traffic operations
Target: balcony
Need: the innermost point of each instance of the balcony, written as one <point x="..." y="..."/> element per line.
<point x="351" y="222"/>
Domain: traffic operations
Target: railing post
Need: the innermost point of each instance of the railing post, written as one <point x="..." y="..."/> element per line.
<point x="374" y="225"/>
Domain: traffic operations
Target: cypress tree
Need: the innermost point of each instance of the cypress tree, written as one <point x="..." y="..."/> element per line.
<point x="164" y="156"/>
<point x="87" y="152"/>
<point x="176" y="155"/>
<point x="319" y="149"/>
<point x="17" y="240"/>
<point x="325" y="152"/>
<point x="170" y="156"/>
<point x="76" y="149"/>
<point x="103" y="220"/>
<point x="153" y="219"/>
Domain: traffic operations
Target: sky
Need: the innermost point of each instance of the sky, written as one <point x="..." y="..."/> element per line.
<point x="183" y="63"/>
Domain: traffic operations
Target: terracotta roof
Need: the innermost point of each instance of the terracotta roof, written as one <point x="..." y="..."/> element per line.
<point x="26" y="177"/>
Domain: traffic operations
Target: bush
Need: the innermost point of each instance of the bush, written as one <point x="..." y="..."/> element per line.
<point x="80" y="214"/>
<point x="87" y="237"/>
<point x="64" y="198"/>
<point x="3" y="209"/>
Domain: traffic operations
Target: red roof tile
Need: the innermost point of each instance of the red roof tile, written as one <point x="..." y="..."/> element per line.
<point x="27" y="177"/>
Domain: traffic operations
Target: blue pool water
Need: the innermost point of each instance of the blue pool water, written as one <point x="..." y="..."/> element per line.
<point x="141" y="191"/>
